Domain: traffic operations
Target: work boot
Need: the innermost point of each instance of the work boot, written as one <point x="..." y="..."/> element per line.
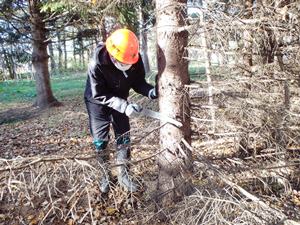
<point x="104" y="180"/>
<point x="104" y="184"/>
<point x="124" y="178"/>
<point x="103" y="158"/>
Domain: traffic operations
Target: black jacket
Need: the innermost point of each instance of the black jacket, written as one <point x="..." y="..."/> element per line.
<point x="107" y="85"/>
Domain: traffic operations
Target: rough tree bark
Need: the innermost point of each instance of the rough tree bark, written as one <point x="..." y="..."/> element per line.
<point x="40" y="57"/>
<point x="175" y="163"/>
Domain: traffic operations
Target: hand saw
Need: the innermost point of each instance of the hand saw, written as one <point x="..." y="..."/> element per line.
<point x="160" y="116"/>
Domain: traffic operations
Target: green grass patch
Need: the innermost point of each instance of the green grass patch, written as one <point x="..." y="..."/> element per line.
<point x="17" y="91"/>
<point x="25" y="91"/>
<point x="68" y="86"/>
<point x="196" y="71"/>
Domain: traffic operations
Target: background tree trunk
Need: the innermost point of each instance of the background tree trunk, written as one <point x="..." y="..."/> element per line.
<point x="52" y="60"/>
<point x="9" y="63"/>
<point x="175" y="162"/>
<point x="65" y="51"/>
<point x="60" y="52"/>
<point x="269" y="44"/>
<point x="40" y="57"/>
<point x="74" y="48"/>
<point x="103" y="30"/>
<point x="13" y="64"/>
<point x="207" y="51"/>
<point x="81" y="50"/>
<point x="248" y="42"/>
<point x="143" y="40"/>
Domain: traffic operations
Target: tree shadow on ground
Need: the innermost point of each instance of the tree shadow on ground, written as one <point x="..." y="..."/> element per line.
<point x="18" y="114"/>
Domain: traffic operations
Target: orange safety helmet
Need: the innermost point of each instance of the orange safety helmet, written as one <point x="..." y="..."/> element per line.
<point x="123" y="45"/>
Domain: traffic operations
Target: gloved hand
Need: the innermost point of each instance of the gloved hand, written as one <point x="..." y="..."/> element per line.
<point x="153" y="94"/>
<point x="133" y="110"/>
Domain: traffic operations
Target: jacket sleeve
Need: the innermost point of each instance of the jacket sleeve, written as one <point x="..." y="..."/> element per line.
<point x="140" y="85"/>
<point x="100" y="94"/>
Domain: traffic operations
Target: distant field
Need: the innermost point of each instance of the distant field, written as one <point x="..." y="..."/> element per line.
<point x="24" y="90"/>
<point x="196" y="71"/>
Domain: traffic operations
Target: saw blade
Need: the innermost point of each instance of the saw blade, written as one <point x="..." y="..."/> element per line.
<point x="160" y="116"/>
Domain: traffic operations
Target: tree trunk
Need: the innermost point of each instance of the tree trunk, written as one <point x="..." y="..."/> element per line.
<point x="8" y="63"/>
<point x="269" y="47"/>
<point x="268" y="42"/>
<point x="13" y="64"/>
<point x="81" y="50"/>
<point x="143" y="41"/>
<point x="52" y="60"/>
<point x="40" y="57"/>
<point x="248" y="42"/>
<point x="91" y="48"/>
<point x="59" y="49"/>
<point x="207" y="51"/>
<point x="175" y="162"/>
<point x="65" y="51"/>
<point x="95" y="42"/>
<point x="82" y="53"/>
<point x="74" y="48"/>
<point x="103" y="30"/>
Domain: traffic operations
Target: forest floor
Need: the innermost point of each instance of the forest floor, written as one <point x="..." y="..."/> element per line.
<point x="28" y="133"/>
<point x="48" y="176"/>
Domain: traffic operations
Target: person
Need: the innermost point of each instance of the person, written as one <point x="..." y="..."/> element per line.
<point x="115" y="68"/>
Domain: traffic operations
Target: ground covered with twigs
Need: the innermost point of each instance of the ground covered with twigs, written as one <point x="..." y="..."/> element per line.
<point x="49" y="175"/>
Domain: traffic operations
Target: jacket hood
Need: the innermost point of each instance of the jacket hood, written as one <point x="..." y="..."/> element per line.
<point x="102" y="55"/>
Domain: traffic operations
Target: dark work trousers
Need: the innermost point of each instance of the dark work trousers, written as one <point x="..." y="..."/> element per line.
<point x="100" y="117"/>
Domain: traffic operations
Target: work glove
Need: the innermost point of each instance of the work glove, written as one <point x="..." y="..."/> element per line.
<point x="153" y="94"/>
<point x="133" y="110"/>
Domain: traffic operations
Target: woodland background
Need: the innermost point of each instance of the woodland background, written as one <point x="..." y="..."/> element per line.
<point x="244" y="109"/>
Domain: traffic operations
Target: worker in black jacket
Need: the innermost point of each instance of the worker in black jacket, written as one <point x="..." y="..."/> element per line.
<point x="115" y="68"/>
